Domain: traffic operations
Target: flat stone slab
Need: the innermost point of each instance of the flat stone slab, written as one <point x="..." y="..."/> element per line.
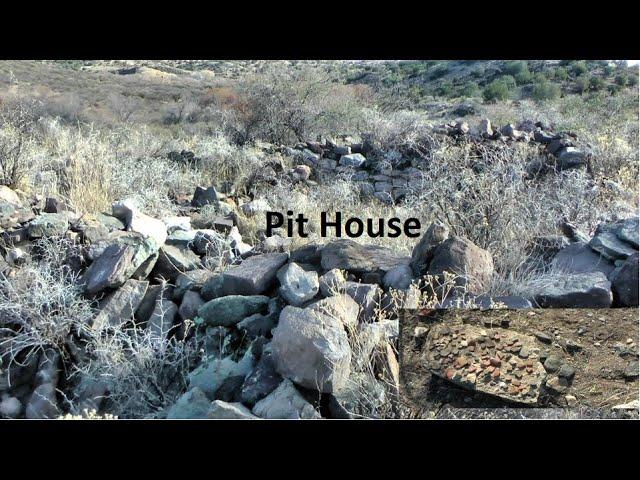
<point x="576" y="290"/>
<point x="354" y="257"/>
<point x="492" y="361"/>
<point x="580" y="258"/>
<point x="253" y="276"/>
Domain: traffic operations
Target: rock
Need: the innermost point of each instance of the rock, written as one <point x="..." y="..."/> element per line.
<point x="461" y="257"/>
<point x="578" y="290"/>
<point x="120" y="305"/>
<point x="204" y="196"/>
<point x="209" y="377"/>
<point x="398" y="278"/>
<point x="285" y="402"/>
<point x="511" y="302"/>
<point x="557" y="144"/>
<point x="543" y="337"/>
<point x="118" y="263"/>
<point x="191" y="302"/>
<point x="423" y="252"/>
<point x="332" y="282"/>
<point x="10" y="407"/>
<point x="354" y="257"/>
<point x="566" y="371"/>
<point x="366" y="295"/>
<point x="253" y="276"/>
<point x="193" y="280"/>
<point x="162" y="319"/>
<point x="579" y="258"/>
<point x="138" y="222"/>
<point x="229" y="310"/>
<point x="557" y="385"/>
<point x="311" y="349"/>
<point x="173" y="260"/>
<point x="386" y="365"/>
<point x="297" y="286"/>
<point x="570" y="157"/>
<point x="257" y="325"/>
<point x="17" y="257"/>
<point x="255" y="207"/>
<point x="490" y="367"/>
<point x="462" y="127"/>
<point x="274" y="243"/>
<point x="631" y="371"/>
<point x="42" y="403"/>
<point x="341" y="307"/>
<point x="48" y="225"/>
<point x="628" y="230"/>
<point x="485" y="128"/>
<point x="625" y="282"/>
<point x="552" y="364"/>
<point x="193" y="404"/>
<point x="212" y="288"/>
<point x="606" y="242"/>
<point x="301" y="172"/>
<point x="9" y="196"/>
<point x="261" y="382"/>
<point x="229" y="411"/>
<point x="355" y="160"/>
<point x="362" y="397"/>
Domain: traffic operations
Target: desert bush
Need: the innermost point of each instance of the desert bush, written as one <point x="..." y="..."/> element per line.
<point x="16" y="140"/>
<point x="578" y="68"/>
<point x="545" y="91"/>
<point x="515" y="67"/>
<point x="496" y="90"/>
<point x="596" y="83"/>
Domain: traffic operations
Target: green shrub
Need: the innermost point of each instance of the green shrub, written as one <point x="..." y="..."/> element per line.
<point x="581" y="84"/>
<point x="545" y="91"/>
<point x="496" y="90"/>
<point x="632" y="80"/>
<point x="470" y="89"/>
<point x="561" y="73"/>
<point x="579" y="68"/>
<point x="524" y="77"/>
<point x="622" y="80"/>
<point x="516" y="67"/>
<point x="596" y="83"/>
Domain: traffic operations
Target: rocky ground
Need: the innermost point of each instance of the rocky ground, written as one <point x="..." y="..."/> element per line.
<point x="566" y="363"/>
<point x="311" y="331"/>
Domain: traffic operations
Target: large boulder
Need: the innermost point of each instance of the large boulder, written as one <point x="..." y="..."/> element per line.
<point x="331" y="282"/>
<point x="253" y="276"/>
<point x="311" y="349"/>
<point x="285" y="402"/>
<point x="174" y="260"/>
<point x="42" y="403"/>
<point x="422" y="253"/>
<point x="229" y="411"/>
<point x="48" y="225"/>
<point x="472" y="264"/>
<point x="229" y="310"/>
<point x="297" y="286"/>
<point x="366" y="295"/>
<point x="351" y="256"/>
<point x="204" y="196"/>
<point x="162" y="320"/>
<point x="262" y="381"/>
<point x="625" y="282"/>
<point x="578" y="290"/>
<point x="362" y="397"/>
<point x="398" y="278"/>
<point x="136" y="221"/>
<point x="191" y="303"/>
<point x="580" y="258"/>
<point x="342" y="307"/>
<point x="120" y="305"/>
<point x="118" y="262"/>
<point x="193" y="404"/>
<point x="355" y="160"/>
<point x="608" y="243"/>
<point x="209" y="377"/>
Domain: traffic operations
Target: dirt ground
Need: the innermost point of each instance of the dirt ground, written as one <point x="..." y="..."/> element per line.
<point x="600" y="344"/>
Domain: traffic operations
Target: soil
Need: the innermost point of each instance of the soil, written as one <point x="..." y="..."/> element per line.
<point x="600" y="344"/>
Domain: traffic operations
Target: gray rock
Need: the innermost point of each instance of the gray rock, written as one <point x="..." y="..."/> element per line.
<point x="628" y="230"/>
<point x="193" y="280"/>
<point x="229" y="310"/>
<point x="174" y="260"/>
<point x="296" y="285"/>
<point x="511" y="302"/>
<point x="354" y="257"/>
<point x="579" y="258"/>
<point x="607" y="243"/>
<point x="625" y="282"/>
<point x="472" y="264"/>
<point x="398" y="278"/>
<point x="118" y="262"/>
<point x="162" y="319"/>
<point x="331" y="282"/>
<point x="210" y="376"/>
<point x="229" y="411"/>
<point x="285" y="402"/>
<point x="261" y="382"/>
<point x="355" y="160"/>
<point x="42" y="403"/>
<point x="362" y="397"/>
<point x="570" y="158"/>
<point x="191" y="302"/>
<point x="631" y="372"/>
<point x="253" y="276"/>
<point x="212" y="287"/>
<point x="311" y="349"/>
<point x="578" y="290"/>
<point x="366" y="295"/>
<point x="257" y="325"/>
<point x="193" y="404"/>
<point x="119" y="306"/>
<point x="10" y="407"/>
<point x="204" y="196"/>
<point x="341" y="307"/>
<point x="136" y="221"/>
<point x="48" y="225"/>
